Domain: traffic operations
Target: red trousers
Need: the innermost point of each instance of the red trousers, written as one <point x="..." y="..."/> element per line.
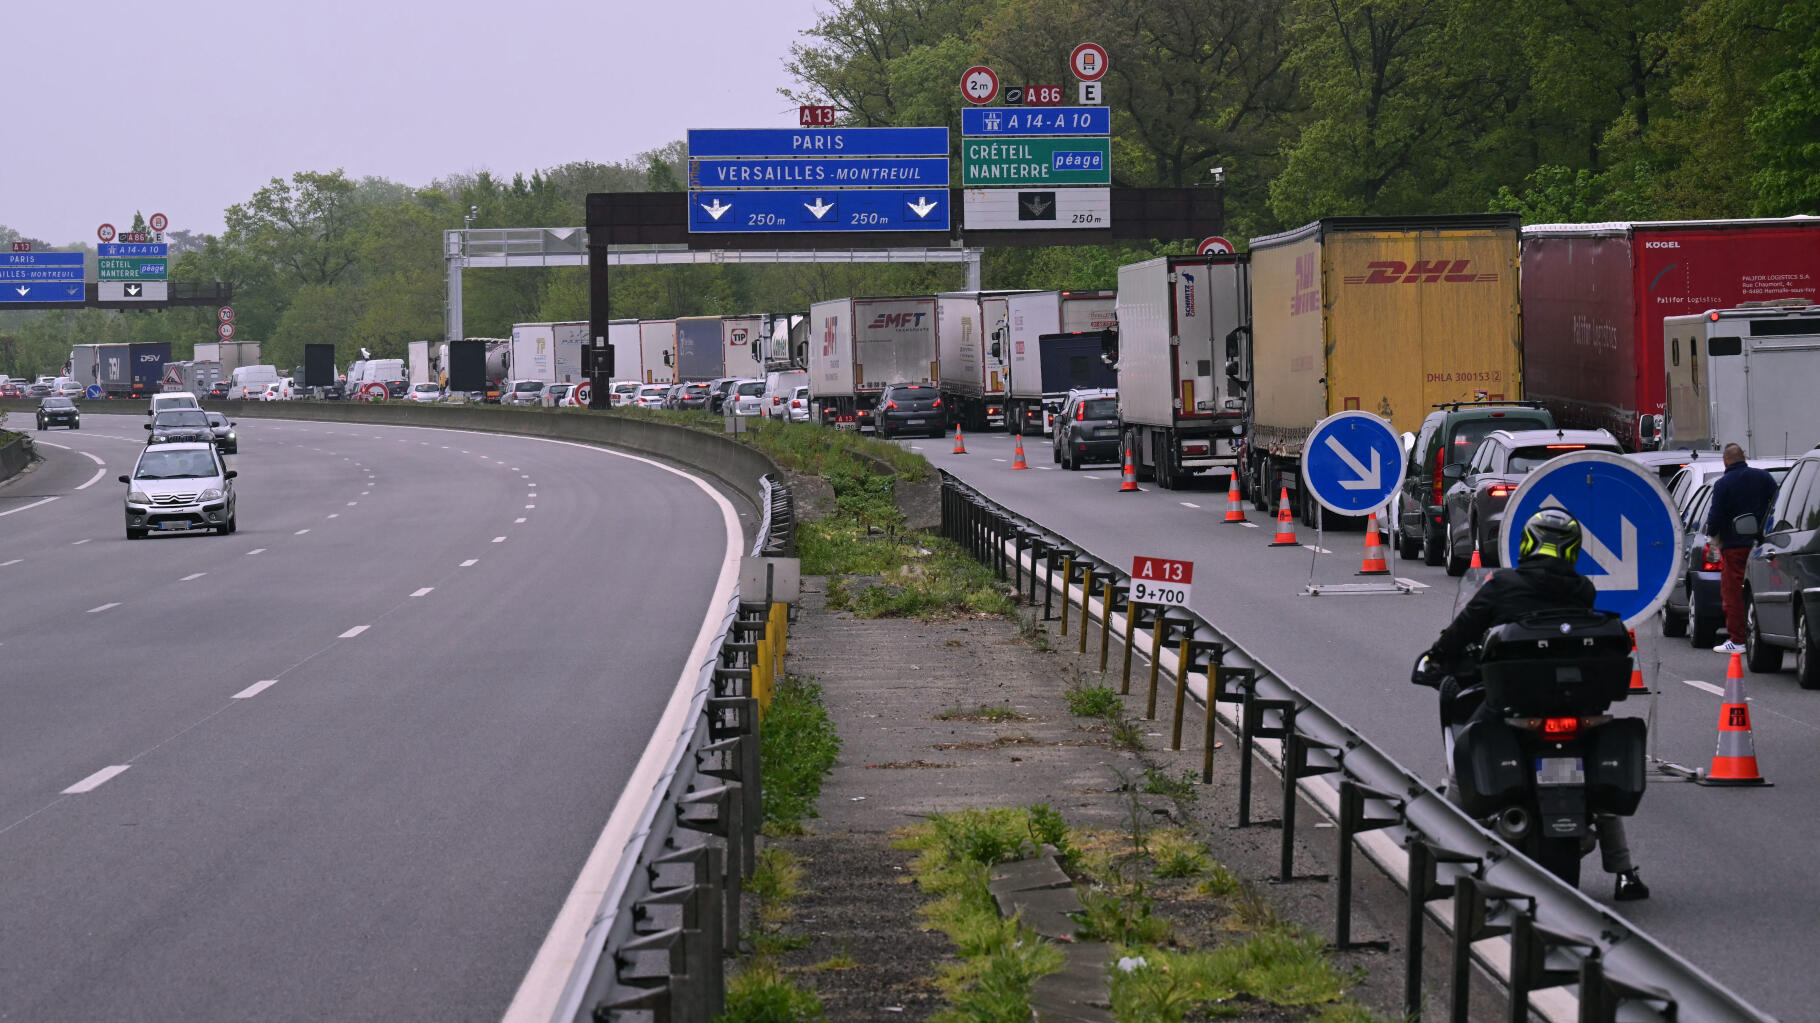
<point x="1731" y="589"/>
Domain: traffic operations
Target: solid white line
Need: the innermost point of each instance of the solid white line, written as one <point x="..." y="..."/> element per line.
<point x="470" y="563"/>
<point x="96" y="780"/>
<point x="192" y="575"/>
<point x="1189" y="504"/>
<point x="1705" y="686"/>
<point x="257" y="550"/>
<point x="92" y="480"/>
<point x="48" y="444"/>
<point x="23" y="507"/>
<point x="300" y="532"/>
<point x="104" y="607"/>
<point x="423" y="592"/>
<point x="499" y="539"/>
<point x="94" y="458"/>
<point x="255" y="689"/>
<point x="15" y="561"/>
<point x="355" y="631"/>
<point x="78" y="543"/>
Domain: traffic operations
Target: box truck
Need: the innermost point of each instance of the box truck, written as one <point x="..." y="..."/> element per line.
<point x="230" y="354"/>
<point x="85" y="367"/>
<point x="133" y="370"/>
<point x="195" y="376"/>
<point x="1038" y="375"/>
<point x="1595" y="296"/>
<point x="742" y="342"/>
<point x="622" y="338"/>
<point x="550" y="352"/>
<point x="1182" y="325"/>
<point x="419" y="367"/>
<point x="657" y="350"/>
<point x="1742" y="376"/>
<point x="700" y="348"/>
<point x="1390" y="315"/>
<point x="858" y="345"/>
<point x="970" y="331"/>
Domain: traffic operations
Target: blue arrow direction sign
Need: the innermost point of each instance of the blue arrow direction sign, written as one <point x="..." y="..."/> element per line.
<point x="1352" y="462"/>
<point x="817" y="172"/>
<point x="818" y="142"/>
<point x="41" y="273"/>
<point x="1036" y="121"/>
<point x="42" y="291"/>
<point x="1630" y="544"/>
<point x="834" y="210"/>
<point x="127" y="250"/>
<point x="16" y="259"/>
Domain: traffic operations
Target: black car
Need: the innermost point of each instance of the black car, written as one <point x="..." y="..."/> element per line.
<point x="910" y="408"/>
<point x="1087" y="430"/>
<point x="1450" y="435"/>
<point x="54" y="411"/>
<point x="220" y="388"/>
<point x="718" y="390"/>
<point x="693" y="395"/>
<point x="183" y="424"/>
<point x="1782" y="579"/>
<point x="223" y="429"/>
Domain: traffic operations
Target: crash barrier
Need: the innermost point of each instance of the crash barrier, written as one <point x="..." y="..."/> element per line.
<point x="15" y="456"/>
<point x="777" y="519"/>
<point x="1558" y="953"/>
<point x="739" y="466"/>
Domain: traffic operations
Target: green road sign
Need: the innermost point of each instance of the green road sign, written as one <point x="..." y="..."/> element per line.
<point x="1036" y="161"/>
<point x="132" y="268"/>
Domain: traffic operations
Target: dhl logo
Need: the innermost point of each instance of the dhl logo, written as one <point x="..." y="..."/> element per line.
<point x="1425" y="271"/>
<point x="886" y="320"/>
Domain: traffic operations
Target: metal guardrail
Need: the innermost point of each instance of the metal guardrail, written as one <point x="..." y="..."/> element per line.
<point x="777" y="520"/>
<point x="1563" y="955"/>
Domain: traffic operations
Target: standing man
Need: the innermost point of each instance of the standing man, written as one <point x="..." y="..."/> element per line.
<point x="1742" y="490"/>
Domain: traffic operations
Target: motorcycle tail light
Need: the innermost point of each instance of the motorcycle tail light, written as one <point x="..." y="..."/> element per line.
<point x="1560" y="728"/>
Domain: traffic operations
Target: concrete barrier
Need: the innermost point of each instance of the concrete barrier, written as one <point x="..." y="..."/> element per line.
<point x="15" y="456"/>
<point x="737" y="465"/>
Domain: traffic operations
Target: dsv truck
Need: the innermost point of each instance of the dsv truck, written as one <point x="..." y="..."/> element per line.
<point x="1391" y="315"/>
<point x="858" y="345"/>
<point x="1182" y="323"/>
<point x="1041" y="363"/>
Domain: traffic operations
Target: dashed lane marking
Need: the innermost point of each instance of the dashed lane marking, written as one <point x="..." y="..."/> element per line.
<point x="15" y="561"/>
<point x="78" y="543"/>
<point x="1189" y="504"/>
<point x="422" y="592"/>
<point x="1317" y="550"/>
<point x="96" y="780"/>
<point x="470" y="563"/>
<point x="23" y="507"/>
<point x="355" y="631"/>
<point x="499" y="539"/>
<point x="104" y="607"/>
<point x="256" y="550"/>
<point x="1707" y="687"/>
<point x="192" y="577"/>
<point x="255" y="689"/>
<point x="519" y="521"/>
<point x="300" y="532"/>
<point x="334" y="515"/>
<point x="530" y="506"/>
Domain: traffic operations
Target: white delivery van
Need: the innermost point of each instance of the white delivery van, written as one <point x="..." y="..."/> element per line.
<point x="249" y="381"/>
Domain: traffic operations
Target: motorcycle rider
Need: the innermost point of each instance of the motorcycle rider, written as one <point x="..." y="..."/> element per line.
<point x="1544" y="579"/>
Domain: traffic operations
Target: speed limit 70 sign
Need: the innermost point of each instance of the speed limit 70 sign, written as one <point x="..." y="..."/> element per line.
<point x="1161" y="580"/>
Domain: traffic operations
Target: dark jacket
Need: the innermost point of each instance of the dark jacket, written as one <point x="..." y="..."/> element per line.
<point x="1538" y="583"/>
<point x="1741" y="490"/>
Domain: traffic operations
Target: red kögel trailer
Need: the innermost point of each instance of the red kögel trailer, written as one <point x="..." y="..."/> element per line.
<point x="1594" y="296"/>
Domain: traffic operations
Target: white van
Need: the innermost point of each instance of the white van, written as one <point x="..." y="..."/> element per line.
<point x="167" y="400"/>
<point x="779" y="386"/>
<point x="249" y="381"/>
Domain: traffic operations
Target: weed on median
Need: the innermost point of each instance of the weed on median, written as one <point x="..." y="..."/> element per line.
<point x="797" y="747"/>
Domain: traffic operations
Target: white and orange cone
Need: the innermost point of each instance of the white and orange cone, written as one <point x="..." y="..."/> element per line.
<point x="1735" y="760"/>
<point x="1373" y="563"/>
<point x="1285" y="525"/>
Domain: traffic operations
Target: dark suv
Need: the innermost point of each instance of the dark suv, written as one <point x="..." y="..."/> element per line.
<point x="1782" y="578"/>
<point x="1449" y="435"/>
<point x="910" y="408"/>
<point x="1087" y="429"/>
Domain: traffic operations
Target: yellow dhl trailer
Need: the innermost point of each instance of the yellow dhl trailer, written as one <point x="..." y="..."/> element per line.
<point x="1390" y="315"/>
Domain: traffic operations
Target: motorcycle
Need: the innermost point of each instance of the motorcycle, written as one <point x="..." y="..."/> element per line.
<point x="1534" y="753"/>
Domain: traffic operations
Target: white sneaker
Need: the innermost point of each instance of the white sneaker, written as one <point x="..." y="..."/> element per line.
<point x="1728" y="647"/>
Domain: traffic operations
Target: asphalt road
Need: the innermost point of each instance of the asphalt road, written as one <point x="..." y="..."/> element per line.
<point x="1732" y="870"/>
<point x="346" y="763"/>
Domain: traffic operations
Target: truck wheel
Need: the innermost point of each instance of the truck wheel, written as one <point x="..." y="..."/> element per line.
<point x="1165" y="474"/>
<point x="1759" y="656"/>
<point x="1260" y="494"/>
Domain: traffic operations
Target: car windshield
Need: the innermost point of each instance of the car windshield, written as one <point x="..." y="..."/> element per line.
<point x="217" y="419"/>
<point x="175" y="465"/>
<point x="1469" y="434"/>
<point x="59" y="403"/>
<point x="185" y="417"/>
<point x="1100" y="408"/>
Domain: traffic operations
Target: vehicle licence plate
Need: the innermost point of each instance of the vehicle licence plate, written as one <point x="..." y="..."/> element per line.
<point x="1560" y="771"/>
<point x="173" y="525"/>
<point x="913" y="422"/>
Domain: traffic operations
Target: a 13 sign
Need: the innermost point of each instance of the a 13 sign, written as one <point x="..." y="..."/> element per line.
<point x="815" y="116"/>
<point x="1161" y="580"/>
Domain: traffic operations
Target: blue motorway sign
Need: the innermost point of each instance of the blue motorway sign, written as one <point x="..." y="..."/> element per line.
<point x="126" y="250"/>
<point x="42" y="291"/>
<point x="41" y="273"/>
<point x="1630" y="533"/>
<point x="1036" y="121"/>
<point x="1353" y="462"/>
<point x="833" y="210"/>
<point x="820" y="172"/>
<point x="818" y="142"/>
<point x="15" y="259"/>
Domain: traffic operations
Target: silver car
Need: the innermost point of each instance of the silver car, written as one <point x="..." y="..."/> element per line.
<point x="746" y="399"/>
<point x="179" y="486"/>
<point x="798" y="409"/>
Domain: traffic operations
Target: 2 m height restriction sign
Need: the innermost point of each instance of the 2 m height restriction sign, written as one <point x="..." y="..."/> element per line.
<point x="1161" y="580"/>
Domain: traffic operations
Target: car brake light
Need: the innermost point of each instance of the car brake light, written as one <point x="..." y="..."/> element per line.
<point x="1560" y="728"/>
<point x="1500" y="491"/>
<point x="938" y="403"/>
<point x="1709" y="559"/>
<point x="891" y="405"/>
<point x="1080" y="413"/>
<point x="1440" y="481"/>
<point x="1566" y="447"/>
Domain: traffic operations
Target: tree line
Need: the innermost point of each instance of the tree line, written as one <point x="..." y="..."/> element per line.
<point x="1561" y="110"/>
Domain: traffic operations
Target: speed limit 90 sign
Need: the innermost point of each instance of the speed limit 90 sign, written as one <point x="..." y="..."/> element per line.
<point x="1161" y="580"/>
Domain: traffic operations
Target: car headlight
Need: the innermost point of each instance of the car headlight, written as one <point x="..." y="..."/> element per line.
<point x="211" y="494"/>
<point x="137" y="498"/>
<point x="230" y="435"/>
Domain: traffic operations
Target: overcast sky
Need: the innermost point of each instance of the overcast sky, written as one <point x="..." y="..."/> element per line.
<point x="187" y="106"/>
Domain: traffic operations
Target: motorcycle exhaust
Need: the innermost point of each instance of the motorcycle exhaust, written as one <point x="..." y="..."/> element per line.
<point x="1512" y="823"/>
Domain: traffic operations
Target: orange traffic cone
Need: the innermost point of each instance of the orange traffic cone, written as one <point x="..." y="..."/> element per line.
<point x="1476" y="563"/>
<point x="1235" y="511"/>
<point x="1636" y="668"/>
<point x="1128" y="479"/>
<point x="960" y="446"/>
<point x="1017" y="459"/>
<point x="1374" y="549"/>
<point x="1285" y="525"/>
<point x="1735" y="761"/>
